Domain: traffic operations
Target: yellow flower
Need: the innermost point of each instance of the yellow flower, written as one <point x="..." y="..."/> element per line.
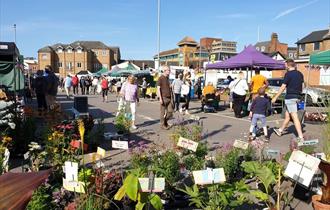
<point x="6" y="139"/>
<point x="81" y="128"/>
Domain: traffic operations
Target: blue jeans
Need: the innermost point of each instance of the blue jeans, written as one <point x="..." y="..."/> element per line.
<point x="177" y="97"/>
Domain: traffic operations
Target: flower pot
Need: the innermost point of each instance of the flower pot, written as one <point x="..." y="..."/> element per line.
<point x="317" y="203"/>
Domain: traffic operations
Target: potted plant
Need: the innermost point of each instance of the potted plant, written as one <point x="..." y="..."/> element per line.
<point x="321" y="202"/>
<point x="122" y="123"/>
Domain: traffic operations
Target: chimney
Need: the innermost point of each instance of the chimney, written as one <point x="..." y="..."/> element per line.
<point x="273" y="42"/>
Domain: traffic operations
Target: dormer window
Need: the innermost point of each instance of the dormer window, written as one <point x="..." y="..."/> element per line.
<point x="263" y="49"/>
<point x="69" y="49"/>
<point x="59" y="50"/>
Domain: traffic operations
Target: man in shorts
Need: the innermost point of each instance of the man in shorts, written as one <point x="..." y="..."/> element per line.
<point x="293" y="83"/>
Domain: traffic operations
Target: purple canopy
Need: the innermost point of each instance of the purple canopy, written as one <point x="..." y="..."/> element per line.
<point x="248" y="58"/>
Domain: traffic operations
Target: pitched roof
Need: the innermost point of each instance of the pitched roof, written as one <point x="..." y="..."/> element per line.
<point x="187" y="40"/>
<point x="259" y="44"/>
<point x="45" y="49"/>
<point x="169" y="52"/>
<point x="315" y="36"/>
<point x="91" y="44"/>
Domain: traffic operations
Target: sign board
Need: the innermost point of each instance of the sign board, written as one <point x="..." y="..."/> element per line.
<point x="302" y="167"/>
<point x="74" y="186"/>
<point x="120" y="144"/>
<point x="111" y="135"/>
<point x="241" y="144"/>
<point x="71" y="171"/>
<point x="159" y="185"/>
<point x="209" y="176"/>
<point x="100" y="151"/>
<point x="194" y="117"/>
<point x="272" y="153"/>
<point x="309" y="142"/>
<point x="3" y="47"/>
<point x="188" y="144"/>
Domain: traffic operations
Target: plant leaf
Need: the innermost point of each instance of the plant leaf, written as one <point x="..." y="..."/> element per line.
<point x="120" y="193"/>
<point x="156" y="201"/>
<point x="139" y="206"/>
<point x="260" y="195"/>
<point x="131" y="186"/>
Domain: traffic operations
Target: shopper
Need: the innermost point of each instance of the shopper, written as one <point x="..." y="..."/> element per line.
<point x="231" y="89"/>
<point x="82" y="85"/>
<point x="186" y="87"/>
<point x="164" y="95"/>
<point x="293" y="84"/>
<point x="257" y="81"/>
<point x="67" y="85"/>
<point x="198" y="88"/>
<point x="144" y="87"/>
<point x="240" y="89"/>
<point x="88" y="84"/>
<point x="259" y="109"/>
<point x="75" y="84"/>
<point x="95" y="82"/>
<point x="118" y="86"/>
<point x="40" y="90"/>
<point x="176" y="87"/>
<point x="52" y="86"/>
<point x="129" y="91"/>
<point x="104" y="86"/>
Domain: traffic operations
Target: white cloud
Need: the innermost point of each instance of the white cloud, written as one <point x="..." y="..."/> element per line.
<point x="234" y="15"/>
<point x="289" y="11"/>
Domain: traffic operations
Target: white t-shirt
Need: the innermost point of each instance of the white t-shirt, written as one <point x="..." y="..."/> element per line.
<point x="240" y="86"/>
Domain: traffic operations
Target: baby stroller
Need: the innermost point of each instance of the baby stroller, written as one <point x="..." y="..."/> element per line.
<point x="209" y="103"/>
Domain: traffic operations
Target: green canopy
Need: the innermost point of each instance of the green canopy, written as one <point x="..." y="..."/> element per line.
<point x="101" y="71"/>
<point x="11" y="76"/>
<point x="321" y="58"/>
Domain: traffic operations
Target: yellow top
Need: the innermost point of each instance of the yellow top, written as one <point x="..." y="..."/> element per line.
<point x="209" y="89"/>
<point x="258" y="81"/>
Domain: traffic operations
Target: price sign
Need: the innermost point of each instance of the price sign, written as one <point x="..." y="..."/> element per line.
<point x="241" y="144"/>
<point x="188" y="144"/>
<point x="209" y="176"/>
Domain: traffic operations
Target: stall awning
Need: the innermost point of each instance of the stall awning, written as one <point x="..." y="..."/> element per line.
<point x="321" y="58"/>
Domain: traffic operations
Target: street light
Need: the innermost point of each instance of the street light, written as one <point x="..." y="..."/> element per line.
<point x="15" y="32"/>
<point x="158" y="39"/>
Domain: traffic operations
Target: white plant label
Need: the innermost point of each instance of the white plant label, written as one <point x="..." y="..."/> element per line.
<point x="100" y="151"/>
<point x="209" y="176"/>
<point x="302" y="167"/>
<point x="309" y="142"/>
<point x="241" y="144"/>
<point x="119" y="144"/>
<point x="159" y="185"/>
<point x="71" y="171"/>
<point x="188" y="144"/>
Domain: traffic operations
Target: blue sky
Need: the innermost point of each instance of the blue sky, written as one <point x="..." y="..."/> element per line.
<point x="132" y="24"/>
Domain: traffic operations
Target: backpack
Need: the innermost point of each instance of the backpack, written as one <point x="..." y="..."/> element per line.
<point x="74" y="81"/>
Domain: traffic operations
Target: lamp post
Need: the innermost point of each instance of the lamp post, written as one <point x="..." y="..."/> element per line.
<point x="15" y="32"/>
<point x="158" y="38"/>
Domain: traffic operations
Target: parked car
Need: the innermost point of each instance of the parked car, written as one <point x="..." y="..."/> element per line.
<point x="314" y="95"/>
<point x="222" y="84"/>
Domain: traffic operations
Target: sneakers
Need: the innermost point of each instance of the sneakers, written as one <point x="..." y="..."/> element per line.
<point x="180" y="110"/>
<point x="277" y="131"/>
<point x="300" y="139"/>
<point x="164" y="127"/>
<point x="187" y="112"/>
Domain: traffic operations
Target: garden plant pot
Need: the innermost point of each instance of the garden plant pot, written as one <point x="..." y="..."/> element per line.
<point x="317" y="203"/>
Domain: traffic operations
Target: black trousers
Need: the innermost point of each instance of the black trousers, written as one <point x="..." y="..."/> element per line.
<point x="187" y="100"/>
<point x="83" y="89"/>
<point x="144" y="91"/>
<point x="238" y="103"/>
<point x="41" y="100"/>
<point x="177" y="97"/>
<point x="75" y="89"/>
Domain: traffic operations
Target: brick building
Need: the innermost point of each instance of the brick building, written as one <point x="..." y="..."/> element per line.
<point x="77" y="56"/>
<point x="314" y="42"/>
<point x="193" y="54"/>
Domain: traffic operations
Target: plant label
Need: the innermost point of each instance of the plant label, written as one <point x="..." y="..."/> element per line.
<point x="309" y="142"/>
<point x="241" y="144"/>
<point x="26" y="155"/>
<point x="71" y="171"/>
<point x="119" y="144"/>
<point x="209" y="176"/>
<point x="194" y="117"/>
<point x="100" y="151"/>
<point x="320" y="155"/>
<point x="110" y="135"/>
<point x="159" y="185"/>
<point x="273" y="153"/>
<point x="302" y="167"/>
<point x="6" y="159"/>
<point x="74" y="186"/>
<point x="188" y="144"/>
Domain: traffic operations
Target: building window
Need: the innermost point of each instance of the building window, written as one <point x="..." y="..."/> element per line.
<point x="291" y="55"/>
<point x="69" y="50"/>
<point x="69" y="65"/>
<point x="79" y="65"/>
<point x="104" y="53"/>
<point x="302" y="47"/>
<point x="316" y="45"/>
<point x="79" y="51"/>
<point x="96" y="52"/>
<point x="263" y="49"/>
<point x="44" y="56"/>
<point x="59" y="50"/>
<point x="59" y="64"/>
